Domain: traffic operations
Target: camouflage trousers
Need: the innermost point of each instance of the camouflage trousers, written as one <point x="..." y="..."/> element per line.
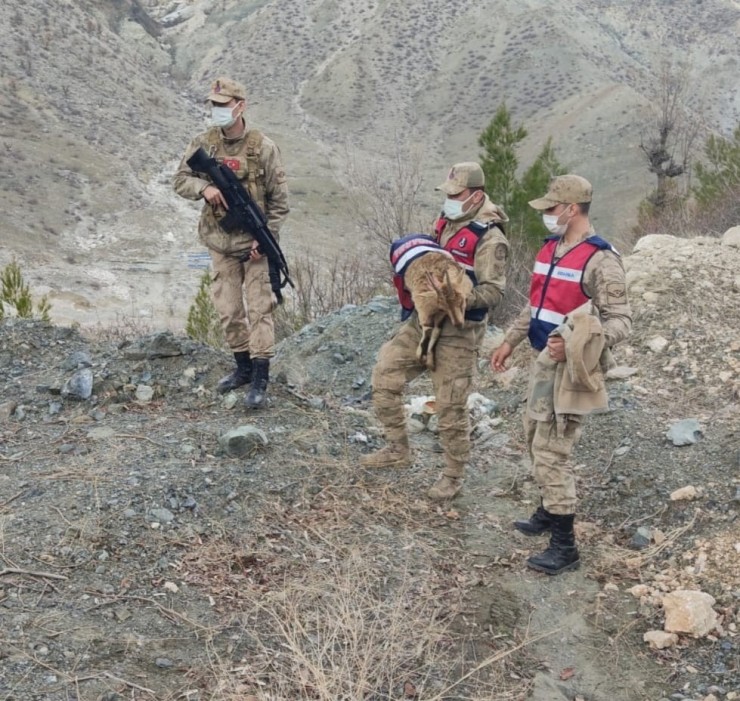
<point x="455" y="354"/>
<point x="550" y="447"/>
<point x="243" y="299"/>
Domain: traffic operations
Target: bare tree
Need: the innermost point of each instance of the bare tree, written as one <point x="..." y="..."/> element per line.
<point x="385" y="193"/>
<point x="669" y="140"/>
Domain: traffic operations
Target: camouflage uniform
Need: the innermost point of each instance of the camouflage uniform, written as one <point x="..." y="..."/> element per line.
<point x="456" y="351"/>
<point x="255" y="159"/>
<point x="550" y="445"/>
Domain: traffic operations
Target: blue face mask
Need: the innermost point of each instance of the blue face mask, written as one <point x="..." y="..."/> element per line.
<point x="222" y="117"/>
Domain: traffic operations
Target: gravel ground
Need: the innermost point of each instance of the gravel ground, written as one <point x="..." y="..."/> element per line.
<point x="146" y="554"/>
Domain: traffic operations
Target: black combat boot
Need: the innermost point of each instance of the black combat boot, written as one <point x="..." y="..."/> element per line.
<point x="561" y="555"/>
<point x="241" y="375"/>
<point x="537" y="524"/>
<point x="255" y="398"/>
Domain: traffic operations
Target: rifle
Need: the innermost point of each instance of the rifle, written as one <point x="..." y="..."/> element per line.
<point x="244" y="216"/>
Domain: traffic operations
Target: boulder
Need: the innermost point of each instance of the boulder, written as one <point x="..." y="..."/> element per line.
<point x="731" y="237"/>
<point x="690" y="612"/>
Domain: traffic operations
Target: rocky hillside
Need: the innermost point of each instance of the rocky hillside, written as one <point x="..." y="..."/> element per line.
<point x="160" y="543"/>
<point x="100" y="99"/>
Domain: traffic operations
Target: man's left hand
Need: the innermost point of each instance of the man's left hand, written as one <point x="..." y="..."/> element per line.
<point x="254" y="254"/>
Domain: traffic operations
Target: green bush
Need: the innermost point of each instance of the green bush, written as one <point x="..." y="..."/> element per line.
<point x="203" y="323"/>
<point x="16" y="294"/>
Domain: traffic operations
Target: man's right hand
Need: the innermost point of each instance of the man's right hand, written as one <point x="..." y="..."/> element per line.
<point x="499" y="356"/>
<point x="213" y="196"/>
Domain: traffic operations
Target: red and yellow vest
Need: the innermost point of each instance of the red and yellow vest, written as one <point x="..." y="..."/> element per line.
<point x="557" y="285"/>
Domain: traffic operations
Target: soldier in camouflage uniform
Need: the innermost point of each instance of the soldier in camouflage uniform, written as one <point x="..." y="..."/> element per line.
<point x="255" y="159"/>
<point x="573" y="267"/>
<point x="471" y="228"/>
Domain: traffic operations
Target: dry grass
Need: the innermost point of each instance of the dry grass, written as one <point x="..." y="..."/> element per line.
<point x="125" y="327"/>
<point x="353" y="629"/>
<point x="324" y="603"/>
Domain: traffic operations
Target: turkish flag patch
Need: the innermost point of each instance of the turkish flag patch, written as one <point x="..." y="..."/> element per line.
<point x="232" y="163"/>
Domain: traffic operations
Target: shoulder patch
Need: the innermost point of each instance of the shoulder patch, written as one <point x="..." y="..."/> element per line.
<point x="501" y="251"/>
<point x="616" y="292"/>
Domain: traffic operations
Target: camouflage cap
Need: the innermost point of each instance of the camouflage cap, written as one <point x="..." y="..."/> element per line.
<point x="565" y="189"/>
<point x="461" y="177"/>
<point x="224" y="89"/>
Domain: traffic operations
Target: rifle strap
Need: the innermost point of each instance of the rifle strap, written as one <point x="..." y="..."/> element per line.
<point x="255" y="169"/>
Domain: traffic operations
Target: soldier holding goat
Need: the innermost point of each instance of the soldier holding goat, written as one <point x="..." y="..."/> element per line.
<point x="447" y="283"/>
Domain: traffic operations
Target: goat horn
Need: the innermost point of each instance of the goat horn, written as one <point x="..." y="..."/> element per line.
<point x="434" y="282"/>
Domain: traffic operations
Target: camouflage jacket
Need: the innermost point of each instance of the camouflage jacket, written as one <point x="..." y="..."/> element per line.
<point x="249" y="152"/>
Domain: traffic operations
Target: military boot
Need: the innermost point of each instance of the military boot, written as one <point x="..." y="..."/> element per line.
<point x="450" y="483"/>
<point x="561" y="555"/>
<point x="537" y="524"/>
<point x="393" y="455"/>
<point x="257" y="394"/>
<point x="241" y="375"/>
<point x="445" y="488"/>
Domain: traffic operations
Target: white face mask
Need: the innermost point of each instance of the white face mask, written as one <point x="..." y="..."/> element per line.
<point x="222" y="117"/>
<point x="453" y="209"/>
<point x="551" y="223"/>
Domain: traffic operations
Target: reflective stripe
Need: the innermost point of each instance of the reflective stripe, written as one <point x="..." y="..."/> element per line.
<point x="561" y="273"/>
<point x="546" y="315"/>
<point x="415" y="252"/>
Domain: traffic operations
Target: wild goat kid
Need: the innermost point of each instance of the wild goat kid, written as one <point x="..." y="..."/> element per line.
<point x="429" y="280"/>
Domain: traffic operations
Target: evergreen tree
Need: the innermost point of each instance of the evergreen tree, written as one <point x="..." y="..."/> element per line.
<point x="14" y="291"/>
<point x="720" y="176"/>
<point x="500" y="164"/>
<point x="203" y="323"/>
<point x="498" y="160"/>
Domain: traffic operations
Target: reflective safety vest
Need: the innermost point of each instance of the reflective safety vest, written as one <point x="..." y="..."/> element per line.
<point x="462" y="246"/>
<point x="403" y="252"/>
<point x="557" y="285"/>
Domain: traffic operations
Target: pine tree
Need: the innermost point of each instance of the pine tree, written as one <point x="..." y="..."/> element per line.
<point x="498" y="160"/>
<point x="17" y="294"/>
<point x="719" y="176"/>
<point x="203" y="323"/>
<point x="500" y="164"/>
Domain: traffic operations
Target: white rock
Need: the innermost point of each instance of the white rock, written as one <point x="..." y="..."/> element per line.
<point x="650" y="297"/>
<point x="657" y="344"/>
<point x="659" y="639"/>
<point x="621" y="372"/>
<point x="653" y="242"/>
<point x="144" y="393"/>
<point x="171" y="586"/>
<point x="731" y="237"/>
<point x="688" y="611"/>
<point x="685" y="493"/>
<point x="639" y="590"/>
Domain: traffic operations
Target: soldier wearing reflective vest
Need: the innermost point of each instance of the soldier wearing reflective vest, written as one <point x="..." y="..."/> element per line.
<point x="470" y="228"/>
<point x="573" y="268"/>
<point x="255" y="159"/>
